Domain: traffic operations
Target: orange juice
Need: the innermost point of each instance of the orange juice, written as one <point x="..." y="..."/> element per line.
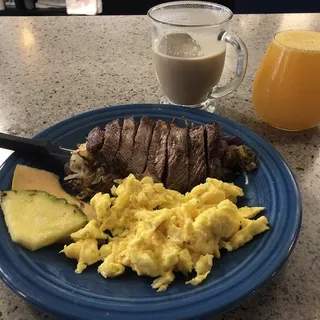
<point x="286" y="89"/>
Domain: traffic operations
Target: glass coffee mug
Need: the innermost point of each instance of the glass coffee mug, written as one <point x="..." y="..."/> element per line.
<point x="286" y="89"/>
<point x="189" y="47"/>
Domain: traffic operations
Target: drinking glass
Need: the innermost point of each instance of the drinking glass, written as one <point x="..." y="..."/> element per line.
<point x="286" y="87"/>
<point x="189" y="46"/>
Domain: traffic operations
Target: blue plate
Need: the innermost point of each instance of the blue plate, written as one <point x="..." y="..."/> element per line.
<point x="47" y="279"/>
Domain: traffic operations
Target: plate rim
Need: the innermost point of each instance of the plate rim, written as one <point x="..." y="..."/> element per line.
<point x="215" y="117"/>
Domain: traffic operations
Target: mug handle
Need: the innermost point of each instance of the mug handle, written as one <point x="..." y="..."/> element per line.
<point x="241" y="68"/>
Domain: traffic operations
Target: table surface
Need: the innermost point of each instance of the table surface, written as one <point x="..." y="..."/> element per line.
<point x="56" y="67"/>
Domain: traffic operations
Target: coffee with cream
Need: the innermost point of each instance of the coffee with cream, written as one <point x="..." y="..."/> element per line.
<point x="187" y="69"/>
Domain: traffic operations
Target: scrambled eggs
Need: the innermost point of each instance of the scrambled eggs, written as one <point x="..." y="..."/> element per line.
<point x="157" y="232"/>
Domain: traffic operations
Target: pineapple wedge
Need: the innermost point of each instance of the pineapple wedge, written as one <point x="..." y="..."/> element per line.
<point x="36" y="219"/>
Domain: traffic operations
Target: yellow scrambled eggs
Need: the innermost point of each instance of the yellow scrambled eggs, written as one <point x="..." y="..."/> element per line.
<point x="156" y="231"/>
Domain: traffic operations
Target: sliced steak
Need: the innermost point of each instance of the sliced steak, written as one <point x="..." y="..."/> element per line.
<point x="138" y="162"/>
<point x="158" y="151"/>
<point x="95" y="140"/>
<point x="112" y="138"/>
<point x="197" y="157"/>
<point x="215" y="150"/>
<point x="125" y="152"/>
<point x="177" y="159"/>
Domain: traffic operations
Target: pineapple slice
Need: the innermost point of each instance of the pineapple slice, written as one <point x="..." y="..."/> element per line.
<point x="36" y="219"/>
<point x="28" y="178"/>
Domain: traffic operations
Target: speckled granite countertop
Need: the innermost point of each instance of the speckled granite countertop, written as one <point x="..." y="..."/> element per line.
<point x="55" y="67"/>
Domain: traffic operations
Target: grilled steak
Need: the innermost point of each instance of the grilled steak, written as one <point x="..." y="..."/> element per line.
<point x="158" y="151"/>
<point x="112" y="137"/>
<point x="138" y="162"/>
<point x="197" y="157"/>
<point x="177" y="159"/>
<point x="215" y="150"/>
<point x="180" y="158"/>
<point x="125" y="152"/>
<point x="95" y="140"/>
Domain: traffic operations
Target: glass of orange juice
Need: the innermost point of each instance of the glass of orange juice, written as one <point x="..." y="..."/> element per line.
<point x="286" y="89"/>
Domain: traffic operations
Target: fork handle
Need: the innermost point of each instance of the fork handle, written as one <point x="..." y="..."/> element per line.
<point x="16" y="143"/>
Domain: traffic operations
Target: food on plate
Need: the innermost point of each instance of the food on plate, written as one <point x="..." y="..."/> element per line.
<point x="85" y="248"/>
<point x="28" y="178"/>
<point x="157" y="231"/>
<point x="180" y="158"/>
<point x="158" y="145"/>
<point x="36" y="219"/>
<point x="177" y="159"/>
<point x="138" y="161"/>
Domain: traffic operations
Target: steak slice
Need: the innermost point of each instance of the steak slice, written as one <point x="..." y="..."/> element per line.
<point x="158" y="151"/>
<point x="197" y="157"/>
<point x="215" y="150"/>
<point x="95" y="140"/>
<point x="112" y="137"/>
<point x="138" y="162"/>
<point x="125" y="152"/>
<point x="178" y="160"/>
